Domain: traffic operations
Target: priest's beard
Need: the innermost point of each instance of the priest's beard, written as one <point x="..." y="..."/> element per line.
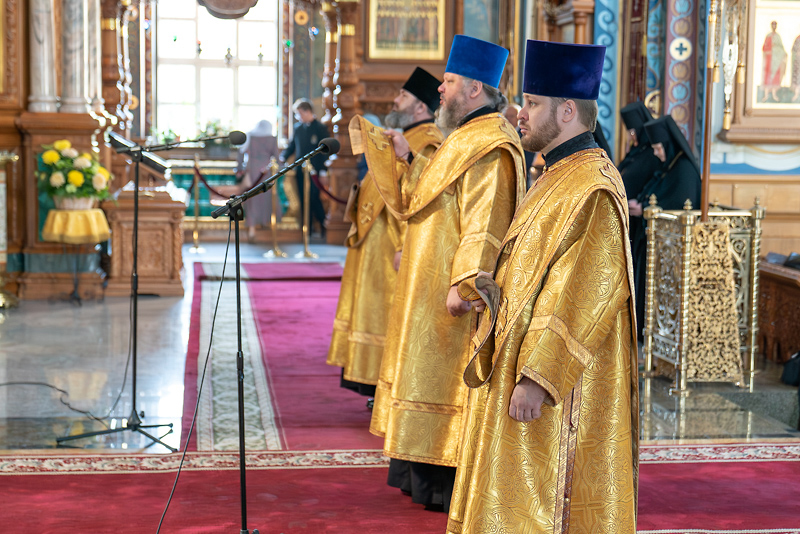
<point x="450" y="112"/>
<point x="541" y="135"/>
<point x="399" y="118"/>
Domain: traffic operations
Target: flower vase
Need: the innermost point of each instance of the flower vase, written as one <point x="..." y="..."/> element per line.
<point x="74" y="203"/>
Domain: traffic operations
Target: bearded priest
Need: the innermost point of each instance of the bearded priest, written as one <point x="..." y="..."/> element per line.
<point x="375" y="242"/>
<point x="551" y="433"/>
<point x="458" y="205"/>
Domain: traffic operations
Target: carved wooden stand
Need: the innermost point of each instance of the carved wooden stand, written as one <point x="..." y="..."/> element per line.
<point x="672" y="342"/>
<point x="160" y="241"/>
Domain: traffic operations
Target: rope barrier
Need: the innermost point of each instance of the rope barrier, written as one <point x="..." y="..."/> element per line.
<point x="315" y="177"/>
<point x="205" y="183"/>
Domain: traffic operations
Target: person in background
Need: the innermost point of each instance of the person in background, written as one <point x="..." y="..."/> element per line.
<point x="676" y="180"/>
<point x="510" y="113"/>
<point x="640" y="163"/>
<point x="308" y="132"/>
<point x="253" y="159"/>
<point x="602" y="142"/>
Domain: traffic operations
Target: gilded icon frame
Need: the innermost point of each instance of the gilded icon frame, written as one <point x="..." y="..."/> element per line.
<point x="774" y="120"/>
<point x="386" y="42"/>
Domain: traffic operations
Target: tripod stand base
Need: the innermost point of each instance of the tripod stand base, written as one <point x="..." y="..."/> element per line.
<point x="134" y="426"/>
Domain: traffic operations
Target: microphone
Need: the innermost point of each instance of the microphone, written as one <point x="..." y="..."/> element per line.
<point x="237" y="138"/>
<point x="329" y="145"/>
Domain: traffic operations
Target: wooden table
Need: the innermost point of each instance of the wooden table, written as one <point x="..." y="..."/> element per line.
<point x="779" y="311"/>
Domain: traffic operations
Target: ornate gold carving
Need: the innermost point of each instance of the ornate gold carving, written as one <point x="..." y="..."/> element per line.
<point x="10" y="90"/>
<point x="347" y="29"/>
<point x="109" y="24"/>
<point x="701" y="294"/>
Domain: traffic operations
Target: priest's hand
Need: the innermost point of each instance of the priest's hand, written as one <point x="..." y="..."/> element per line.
<point x="396" y="263"/>
<point x="480" y="305"/>
<point x="526" y="401"/>
<point x="457" y="306"/>
<point x="635" y="208"/>
<point x="401" y="146"/>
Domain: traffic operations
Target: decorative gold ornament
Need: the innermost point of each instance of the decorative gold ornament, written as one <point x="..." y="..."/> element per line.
<point x="301" y="17"/>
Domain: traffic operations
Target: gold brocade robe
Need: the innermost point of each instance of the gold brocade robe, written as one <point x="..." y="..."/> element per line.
<point x="565" y="321"/>
<point x="458" y="206"/>
<point x="369" y="277"/>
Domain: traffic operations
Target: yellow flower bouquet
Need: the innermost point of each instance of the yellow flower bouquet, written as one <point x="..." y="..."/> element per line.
<point x="68" y="173"/>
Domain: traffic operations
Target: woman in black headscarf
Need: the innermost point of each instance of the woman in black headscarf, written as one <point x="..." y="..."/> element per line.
<point x="676" y="180"/>
<point x="639" y="164"/>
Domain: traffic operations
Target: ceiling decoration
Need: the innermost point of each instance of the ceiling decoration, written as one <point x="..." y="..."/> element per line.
<point x="228" y="9"/>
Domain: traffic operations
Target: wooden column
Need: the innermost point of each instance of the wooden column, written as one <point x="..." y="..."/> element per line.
<point x="581" y="12"/>
<point x="331" y="44"/>
<point x="115" y="73"/>
<point x="343" y="169"/>
<point x="14" y="92"/>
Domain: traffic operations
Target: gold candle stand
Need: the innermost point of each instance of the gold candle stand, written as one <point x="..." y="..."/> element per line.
<point x="196" y="248"/>
<point x="276" y="251"/>
<point x="306" y="212"/>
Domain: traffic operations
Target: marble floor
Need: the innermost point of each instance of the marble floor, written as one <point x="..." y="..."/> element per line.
<point x="60" y="362"/>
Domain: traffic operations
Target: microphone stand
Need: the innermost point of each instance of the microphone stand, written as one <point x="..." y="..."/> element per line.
<point x="134" y="422"/>
<point x="234" y="210"/>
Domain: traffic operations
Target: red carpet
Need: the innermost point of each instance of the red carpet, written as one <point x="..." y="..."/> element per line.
<point x="723" y="496"/>
<point x="345" y="501"/>
<point x="734" y="489"/>
<point x="294" y="306"/>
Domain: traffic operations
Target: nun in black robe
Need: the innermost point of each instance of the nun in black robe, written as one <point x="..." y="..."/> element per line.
<point x="639" y="164"/>
<point x="676" y="180"/>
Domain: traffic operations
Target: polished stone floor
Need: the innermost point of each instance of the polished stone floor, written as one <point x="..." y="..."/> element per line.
<point x="58" y="359"/>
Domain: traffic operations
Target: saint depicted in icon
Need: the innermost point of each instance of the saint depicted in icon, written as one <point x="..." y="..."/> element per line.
<point x="796" y="69"/>
<point x="774" y="63"/>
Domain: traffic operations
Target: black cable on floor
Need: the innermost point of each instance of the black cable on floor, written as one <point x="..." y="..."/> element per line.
<point x="62" y="399"/>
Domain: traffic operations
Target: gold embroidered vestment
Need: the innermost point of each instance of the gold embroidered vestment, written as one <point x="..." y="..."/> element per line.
<point x="458" y="205"/>
<point x="369" y="277"/>
<point x="566" y="321"/>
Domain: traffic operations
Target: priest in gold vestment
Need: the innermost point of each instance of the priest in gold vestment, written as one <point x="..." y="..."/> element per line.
<point x="458" y="205"/>
<point x="375" y="238"/>
<point x="551" y="434"/>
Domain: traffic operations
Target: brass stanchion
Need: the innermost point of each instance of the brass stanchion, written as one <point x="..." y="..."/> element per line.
<point x="306" y="212"/>
<point x="196" y="248"/>
<point x="276" y="251"/>
<point x="7" y="300"/>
